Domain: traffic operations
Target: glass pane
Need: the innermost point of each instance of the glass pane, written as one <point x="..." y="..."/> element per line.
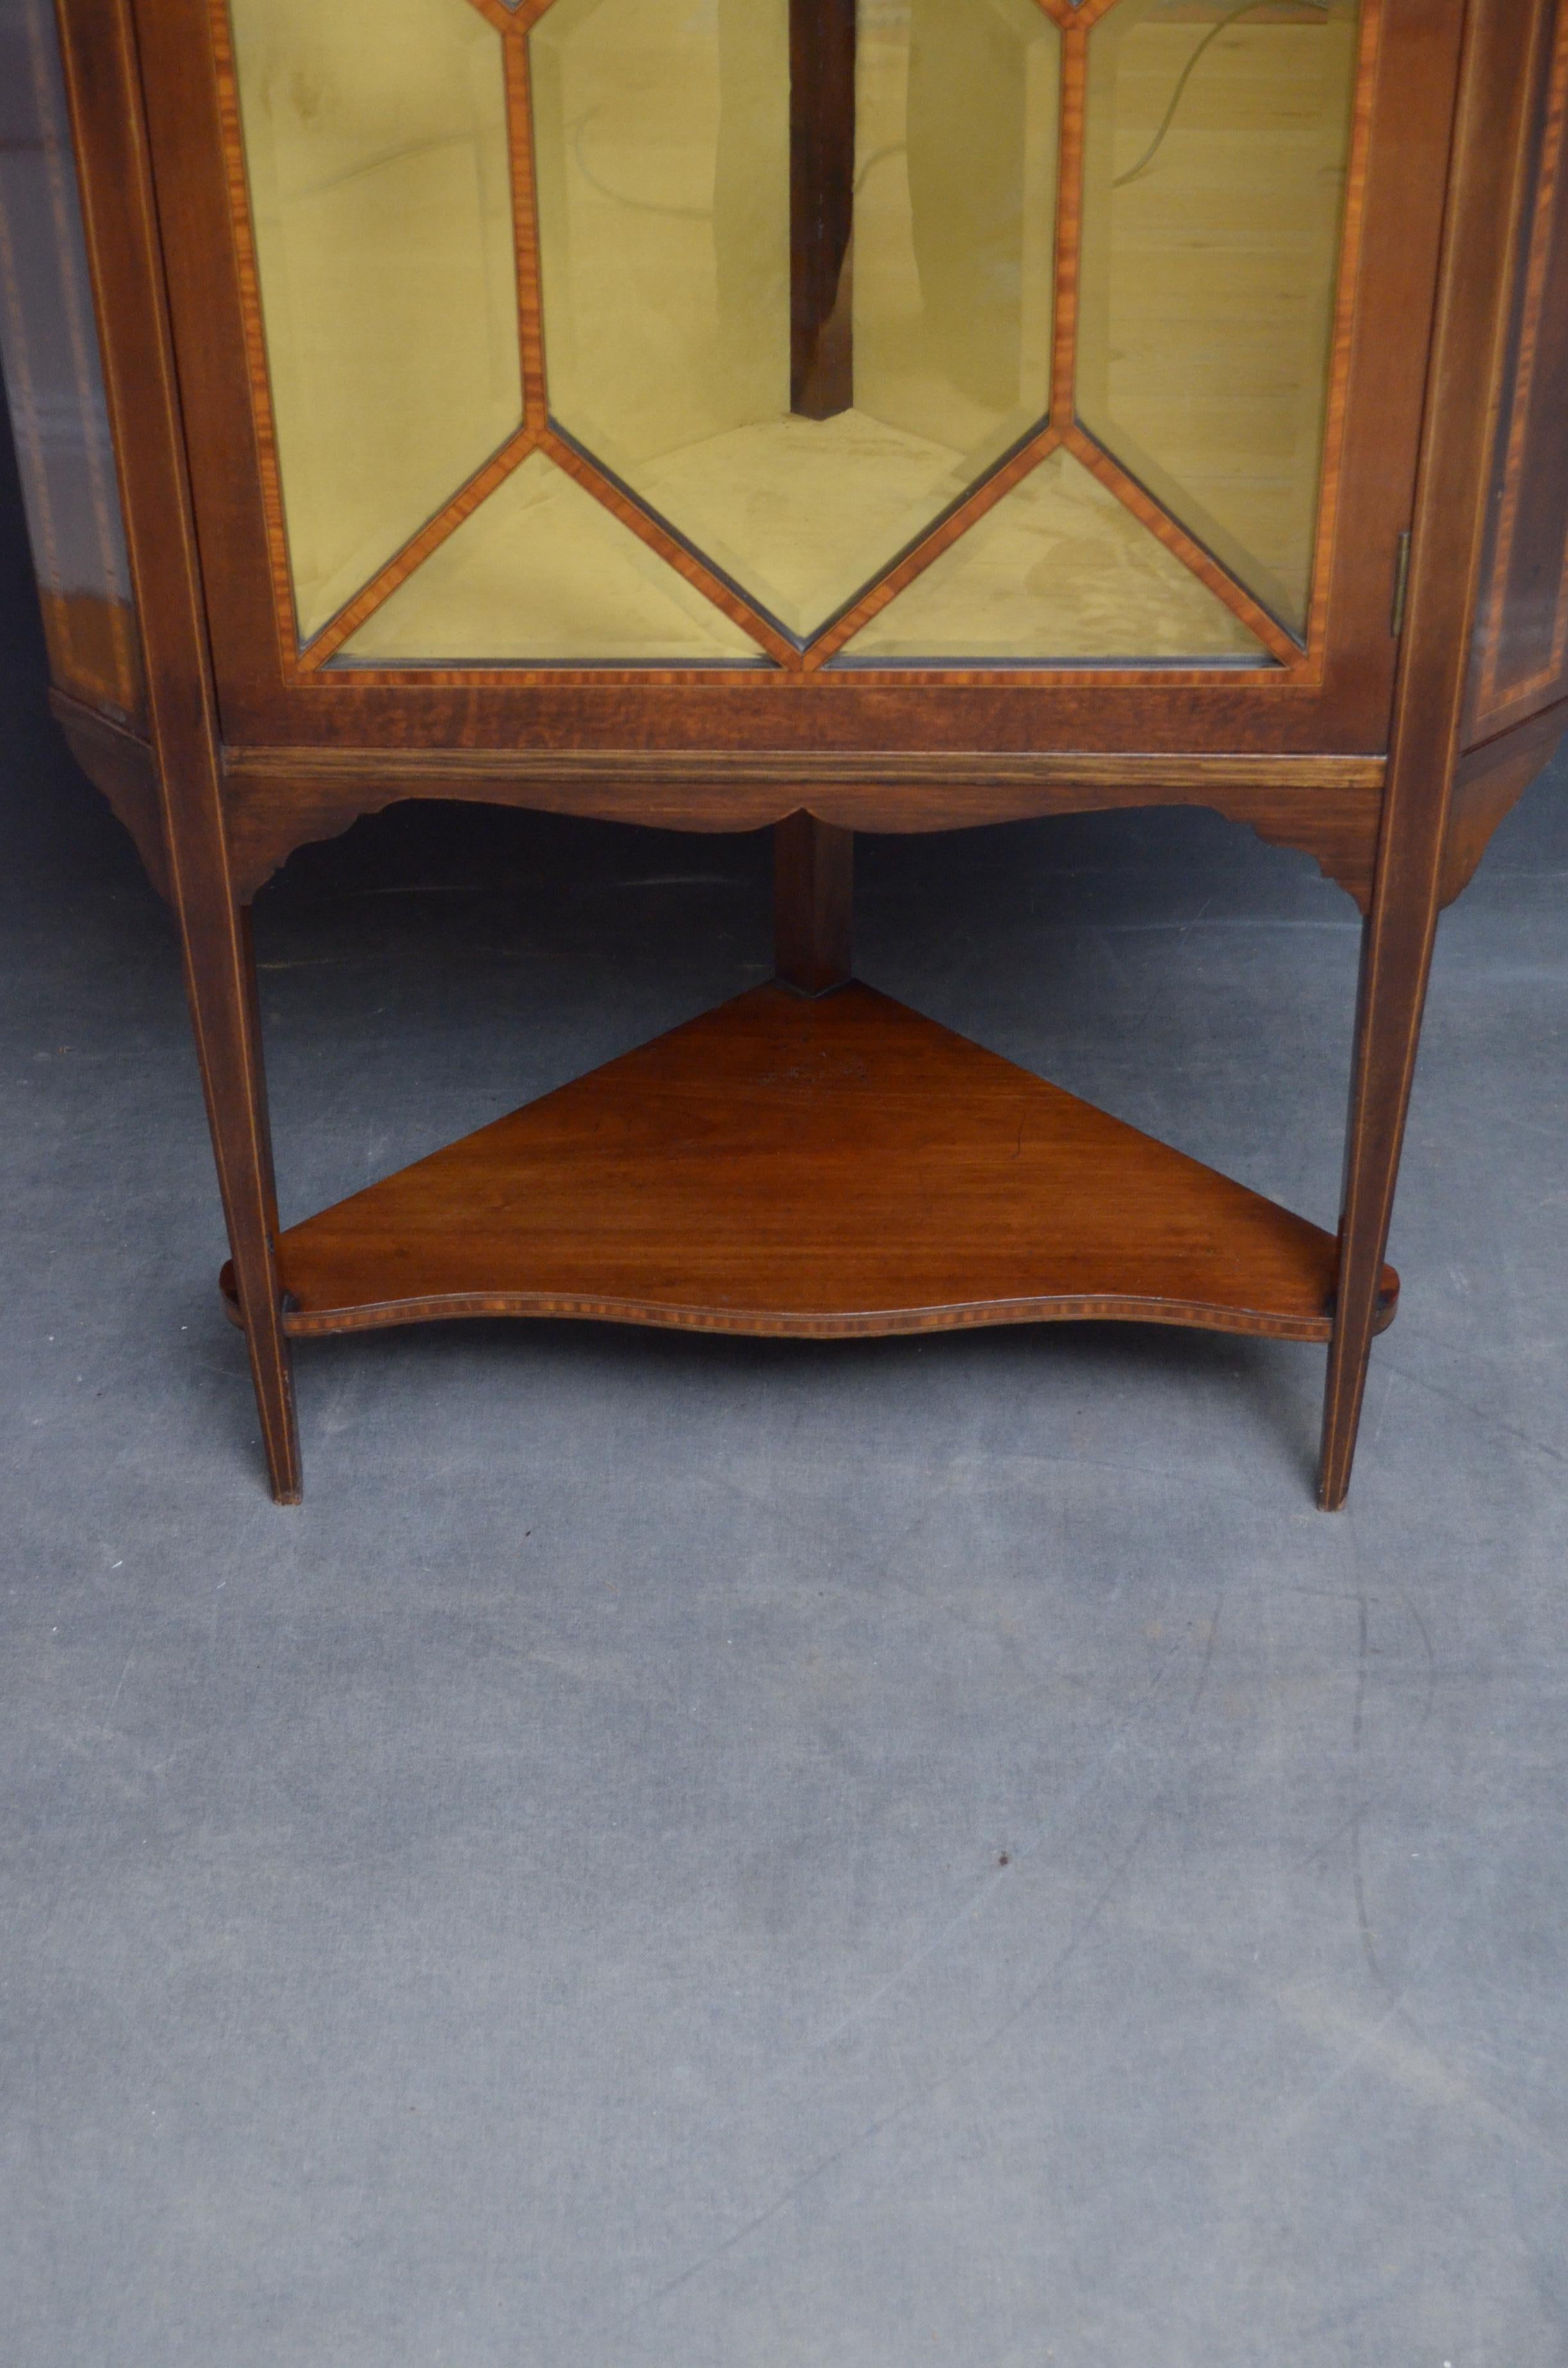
<point x="1059" y="568"/>
<point x="799" y="407"/>
<point x="54" y="378"/>
<point x="1216" y="151"/>
<point x="541" y="571"/>
<point x="376" y="146"/>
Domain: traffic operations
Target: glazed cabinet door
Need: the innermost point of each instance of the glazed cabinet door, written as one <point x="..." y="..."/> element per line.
<point x="861" y="373"/>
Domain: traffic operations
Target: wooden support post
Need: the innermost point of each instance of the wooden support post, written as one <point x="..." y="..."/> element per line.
<point x="104" y="84"/>
<point x="221" y="982"/>
<point x="1396" y="954"/>
<point x="822" y="206"/>
<point x="813" y="882"/>
<point x="1445" y="561"/>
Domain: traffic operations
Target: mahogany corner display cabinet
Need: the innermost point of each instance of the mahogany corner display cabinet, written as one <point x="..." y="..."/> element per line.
<point x="816" y="414"/>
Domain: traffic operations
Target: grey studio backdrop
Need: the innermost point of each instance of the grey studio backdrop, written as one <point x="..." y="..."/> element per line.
<point x="907" y="1854"/>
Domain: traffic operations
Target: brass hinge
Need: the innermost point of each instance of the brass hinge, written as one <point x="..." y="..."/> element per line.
<point x="1401" y="585"/>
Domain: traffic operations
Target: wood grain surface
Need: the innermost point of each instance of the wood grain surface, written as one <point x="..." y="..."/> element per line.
<point x="121" y="765"/>
<point x="1326" y="806"/>
<point x="121" y="214"/>
<point x="1490" y="47"/>
<point x="1489" y="781"/>
<point x="813" y="903"/>
<point x="816" y="1169"/>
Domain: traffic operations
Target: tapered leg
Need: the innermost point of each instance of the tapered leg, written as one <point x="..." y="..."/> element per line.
<point x="99" y="52"/>
<point x="1396" y="957"/>
<point x="813" y="878"/>
<point x="221" y="979"/>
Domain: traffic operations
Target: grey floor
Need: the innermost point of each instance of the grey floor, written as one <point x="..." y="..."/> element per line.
<point x="904" y="1855"/>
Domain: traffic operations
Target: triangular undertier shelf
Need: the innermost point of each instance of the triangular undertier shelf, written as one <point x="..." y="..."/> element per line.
<point x="840" y="1166"/>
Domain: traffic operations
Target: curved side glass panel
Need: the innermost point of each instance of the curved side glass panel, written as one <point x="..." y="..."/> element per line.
<point x="1216" y="139"/>
<point x="54" y="378"/>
